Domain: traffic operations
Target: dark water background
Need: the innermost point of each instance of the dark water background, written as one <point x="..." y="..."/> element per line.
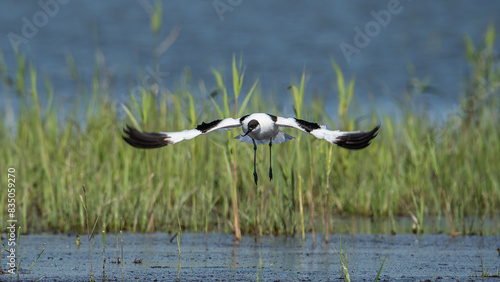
<point x="277" y="39"/>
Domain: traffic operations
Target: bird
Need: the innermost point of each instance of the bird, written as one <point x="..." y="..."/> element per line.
<point x="258" y="128"/>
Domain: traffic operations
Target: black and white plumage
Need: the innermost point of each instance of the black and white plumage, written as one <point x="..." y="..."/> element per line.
<point x="258" y="128"/>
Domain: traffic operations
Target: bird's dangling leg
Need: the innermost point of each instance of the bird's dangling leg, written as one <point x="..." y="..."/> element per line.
<point x="270" y="160"/>
<point x="254" y="161"/>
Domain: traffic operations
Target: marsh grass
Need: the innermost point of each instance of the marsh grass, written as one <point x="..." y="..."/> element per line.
<point x="17" y="251"/>
<point x="39" y="255"/>
<point x="83" y="199"/>
<point x="121" y="251"/>
<point x="416" y="165"/>
<point x="484" y="272"/>
<point x="344" y="269"/>
<point x="103" y="254"/>
<point x="377" y="278"/>
<point x="342" y="255"/>
<point x="179" y="240"/>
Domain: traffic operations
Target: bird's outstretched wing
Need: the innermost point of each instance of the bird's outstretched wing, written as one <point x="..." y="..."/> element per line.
<point x="346" y="139"/>
<point x="151" y="140"/>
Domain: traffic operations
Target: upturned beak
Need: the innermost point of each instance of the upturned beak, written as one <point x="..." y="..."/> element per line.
<point x="247" y="132"/>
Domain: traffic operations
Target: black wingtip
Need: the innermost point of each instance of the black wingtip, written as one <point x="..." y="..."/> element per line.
<point x="145" y="140"/>
<point x="358" y="140"/>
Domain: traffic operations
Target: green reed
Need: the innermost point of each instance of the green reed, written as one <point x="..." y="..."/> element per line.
<point x="415" y="164"/>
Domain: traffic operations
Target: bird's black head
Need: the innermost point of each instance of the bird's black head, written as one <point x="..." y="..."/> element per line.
<point x="251" y="126"/>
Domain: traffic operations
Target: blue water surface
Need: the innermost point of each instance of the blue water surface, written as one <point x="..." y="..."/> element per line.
<point x="376" y="41"/>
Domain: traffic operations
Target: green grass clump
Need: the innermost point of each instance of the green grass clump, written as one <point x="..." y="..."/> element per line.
<point x="415" y="165"/>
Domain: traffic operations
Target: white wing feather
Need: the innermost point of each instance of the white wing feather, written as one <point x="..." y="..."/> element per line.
<point x="346" y="139"/>
<point x="320" y="133"/>
<point x="151" y="140"/>
<point x="178" y="136"/>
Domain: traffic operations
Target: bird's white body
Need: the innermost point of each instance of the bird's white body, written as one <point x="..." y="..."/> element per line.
<point x="258" y="128"/>
<point x="264" y="132"/>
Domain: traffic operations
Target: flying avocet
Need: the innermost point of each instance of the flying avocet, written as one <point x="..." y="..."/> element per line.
<point x="258" y="128"/>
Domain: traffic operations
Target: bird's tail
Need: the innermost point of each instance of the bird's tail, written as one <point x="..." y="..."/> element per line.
<point x="145" y="140"/>
<point x="356" y="140"/>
